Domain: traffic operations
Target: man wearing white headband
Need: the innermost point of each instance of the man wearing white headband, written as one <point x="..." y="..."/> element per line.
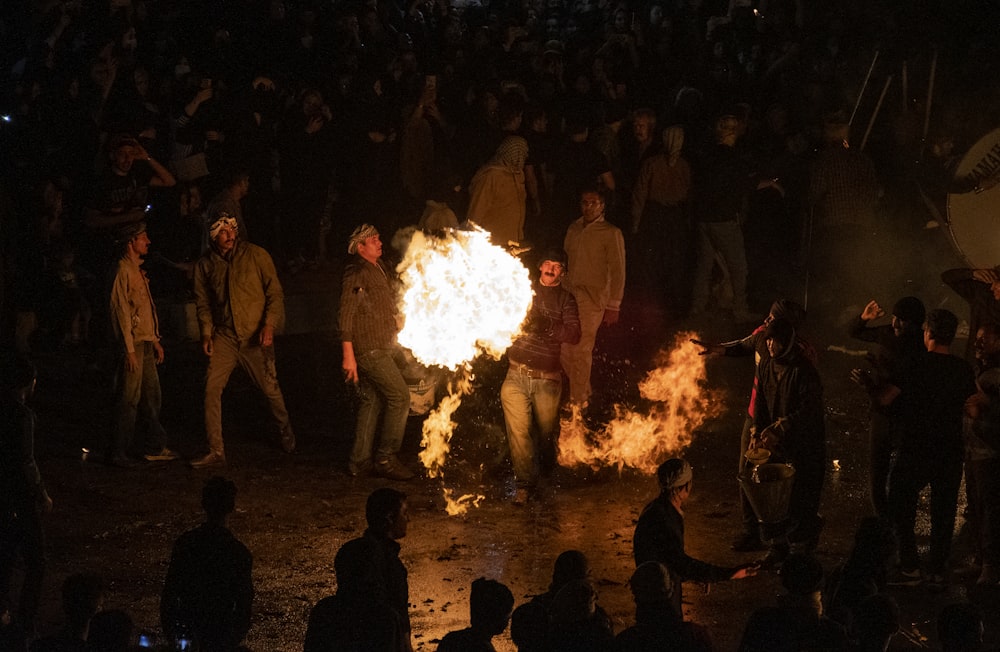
<point x="240" y="305"/>
<point x="659" y="534"/>
<point x="371" y="357"/>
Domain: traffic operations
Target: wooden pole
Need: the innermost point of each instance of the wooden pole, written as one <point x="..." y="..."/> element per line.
<point x="927" y="104"/>
<point x="878" y="107"/>
<point x="863" y="87"/>
<point x="906" y="89"/>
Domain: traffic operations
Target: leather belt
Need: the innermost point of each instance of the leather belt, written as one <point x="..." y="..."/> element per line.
<point x="525" y="370"/>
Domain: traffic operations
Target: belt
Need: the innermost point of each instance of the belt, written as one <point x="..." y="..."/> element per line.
<point x="525" y="370"/>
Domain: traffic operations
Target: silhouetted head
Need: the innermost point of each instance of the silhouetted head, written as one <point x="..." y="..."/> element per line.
<point x="570" y="565"/>
<point x="218" y="497"/>
<point x="490" y="605"/>
<point x="386" y="514"/>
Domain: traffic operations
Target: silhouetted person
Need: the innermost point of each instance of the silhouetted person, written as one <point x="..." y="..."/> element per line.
<point x="876" y="623"/>
<point x="110" y="631"/>
<point x="864" y="574"/>
<point x="490" y="606"/>
<point x="797" y="621"/>
<point x="23" y="499"/>
<point x="372" y="585"/>
<point x="658" y="626"/>
<point x="960" y="628"/>
<point x="574" y="622"/>
<point x="208" y="592"/>
<point x="82" y="596"/>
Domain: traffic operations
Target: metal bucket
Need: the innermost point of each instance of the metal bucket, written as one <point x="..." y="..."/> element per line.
<point x="768" y="487"/>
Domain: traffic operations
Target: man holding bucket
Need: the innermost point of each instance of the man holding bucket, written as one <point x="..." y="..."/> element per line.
<point x="788" y="418"/>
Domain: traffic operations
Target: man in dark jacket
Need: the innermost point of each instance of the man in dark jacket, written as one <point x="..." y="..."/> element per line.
<point x="788" y="419"/>
<point x="659" y="534"/>
<point x="533" y="385"/>
<point x="208" y="592"/>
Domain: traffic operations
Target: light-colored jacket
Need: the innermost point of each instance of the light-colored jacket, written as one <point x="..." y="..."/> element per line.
<point x="242" y="291"/>
<point x="596" y="274"/>
<point x="133" y="314"/>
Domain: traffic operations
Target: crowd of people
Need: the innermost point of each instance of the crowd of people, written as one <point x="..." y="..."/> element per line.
<point x="164" y="150"/>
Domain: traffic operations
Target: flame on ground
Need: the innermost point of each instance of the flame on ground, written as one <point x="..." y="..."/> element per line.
<point x="680" y="404"/>
<point x="462" y="296"/>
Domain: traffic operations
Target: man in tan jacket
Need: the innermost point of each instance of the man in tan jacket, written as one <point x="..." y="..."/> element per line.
<point x="240" y="305"/>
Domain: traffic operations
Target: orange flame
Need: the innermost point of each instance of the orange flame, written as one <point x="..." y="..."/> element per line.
<point x="681" y="403"/>
<point x="462" y="296"/>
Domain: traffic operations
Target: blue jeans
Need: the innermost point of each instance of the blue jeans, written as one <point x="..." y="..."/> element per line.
<point x="138" y="390"/>
<point x="523" y="398"/>
<point x="727" y="239"/>
<point x="383" y="391"/>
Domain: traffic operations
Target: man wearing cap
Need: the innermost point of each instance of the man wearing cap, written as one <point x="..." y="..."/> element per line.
<point x="533" y="385"/>
<point x="788" y="422"/>
<point x="889" y="383"/>
<point x="121" y="194"/>
<point x="240" y="305"/>
<point x="136" y="328"/>
<point x="659" y="534"/>
<point x="595" y="251"/>
<point x="368" y="324"/>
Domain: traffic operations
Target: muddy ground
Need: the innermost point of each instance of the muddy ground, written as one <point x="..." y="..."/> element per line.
<point x="293" y="512"/>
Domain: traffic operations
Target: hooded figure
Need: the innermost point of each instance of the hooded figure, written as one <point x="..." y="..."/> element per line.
<point x="788" y="417"/>
<point x="497" y="193"/>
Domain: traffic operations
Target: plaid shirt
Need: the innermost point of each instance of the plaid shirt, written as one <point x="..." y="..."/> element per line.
<point x="368" y="308"/>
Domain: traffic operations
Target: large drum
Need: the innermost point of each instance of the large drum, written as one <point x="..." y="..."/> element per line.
<point x="974" y="216"/>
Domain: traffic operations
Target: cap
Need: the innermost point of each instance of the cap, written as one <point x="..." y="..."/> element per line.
<point x="359" y="235"/>
<point x="674" y="473"/>
<point x="555" y="254"/>
<point x="128" y="231"/>
<point x="910" y="310"/>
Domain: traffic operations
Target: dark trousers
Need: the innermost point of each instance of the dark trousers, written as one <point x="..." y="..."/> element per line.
<point x="881" y="439"/>
<point x="665" y="247"/>
<point x="21" y="536"/>
<point x="914" y="471"/>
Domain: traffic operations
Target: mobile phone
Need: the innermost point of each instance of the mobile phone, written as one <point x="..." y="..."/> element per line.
<point x="183" y="644"/>
<point x="149" y="207"/>
<point x="144" y="641"/>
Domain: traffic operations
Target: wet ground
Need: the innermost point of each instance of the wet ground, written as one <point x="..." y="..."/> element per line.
<point x="293" y="512"/>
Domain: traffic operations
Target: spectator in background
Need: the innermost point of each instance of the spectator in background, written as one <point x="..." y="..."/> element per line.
<point x="661" y="220"/>
<point x="137" y="329"/>
<point x="595" y="252"/>
<point x="23" y="498"/>
<point x="497" y="193"/>
<point x="121" y="194"/>
<point x="208" y="591"/>
<point x="490" y="605"/>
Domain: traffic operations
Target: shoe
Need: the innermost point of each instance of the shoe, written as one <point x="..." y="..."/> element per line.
<point x="520" y="497"/>
<point x="165" y="455"/>
<point x="936" y="583"/>
<point x="357" y="469"/>
<point x="392" y="469"/>
<point x="288" y="441"/>
<point x="989" y="576"/>
<point x="748" y="542"/>
<point x="906" y="577"/>
<point x="212" y="459"/>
